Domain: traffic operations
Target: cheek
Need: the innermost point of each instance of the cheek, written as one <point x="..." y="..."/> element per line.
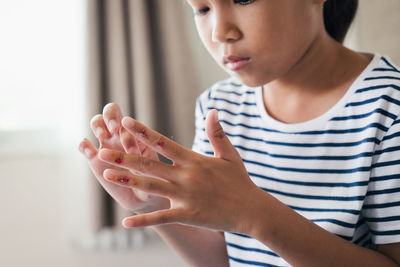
<point x="205" y="34"/>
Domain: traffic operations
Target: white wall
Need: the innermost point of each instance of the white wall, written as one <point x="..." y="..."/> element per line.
<point x="379" y="27"/>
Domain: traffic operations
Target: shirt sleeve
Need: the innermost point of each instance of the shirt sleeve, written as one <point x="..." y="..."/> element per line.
<point x="201" y="143"/>
<point x="382" y="203"/>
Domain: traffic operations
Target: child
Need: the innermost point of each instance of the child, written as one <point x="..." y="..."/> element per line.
<point x="301" y="168"/>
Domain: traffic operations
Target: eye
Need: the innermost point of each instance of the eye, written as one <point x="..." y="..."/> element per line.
<point x="243" y="2"/>
<point x="240" y="2"/>
<point x="201" y="11"/>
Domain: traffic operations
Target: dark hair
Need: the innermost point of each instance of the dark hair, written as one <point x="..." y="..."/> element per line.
<point x="338" y="16"/>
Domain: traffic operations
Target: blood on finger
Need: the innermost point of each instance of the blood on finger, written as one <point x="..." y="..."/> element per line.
<point x="160" y="144"/>
<point x="143" y="133"/>
<point x="118" y="160"/>
<point x="124" y="180"/>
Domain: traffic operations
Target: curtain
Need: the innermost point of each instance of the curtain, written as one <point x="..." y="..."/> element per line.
<point x="138" y="57"/>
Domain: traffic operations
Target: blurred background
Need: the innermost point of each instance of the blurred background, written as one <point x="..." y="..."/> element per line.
<point x="61" y="61"/>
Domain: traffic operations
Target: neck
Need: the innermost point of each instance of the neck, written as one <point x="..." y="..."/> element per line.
<point x="312" y="69"/>
<point x="315" y="83"/>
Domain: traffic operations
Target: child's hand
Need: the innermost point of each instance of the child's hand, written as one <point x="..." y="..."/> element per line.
<point x="107" y="128"/>
<point x="213" y="192"/>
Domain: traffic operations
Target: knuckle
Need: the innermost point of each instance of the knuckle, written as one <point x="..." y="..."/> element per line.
<point x="144" y="164"/>
<point x="151" y="186"/>
<point x="162" y="219"/>
<point x="219" y="132"/>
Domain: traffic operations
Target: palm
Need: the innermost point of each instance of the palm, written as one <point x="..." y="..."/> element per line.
<point x="128" y="198"/>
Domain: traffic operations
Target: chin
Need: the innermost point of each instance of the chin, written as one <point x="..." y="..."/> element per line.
<point x="251" y="81"/>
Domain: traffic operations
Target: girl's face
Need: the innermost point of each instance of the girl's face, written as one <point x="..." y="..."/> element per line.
<point x="258" y="41"/>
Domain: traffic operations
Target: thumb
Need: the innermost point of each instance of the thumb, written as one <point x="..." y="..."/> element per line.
<point x="220" y="142"/>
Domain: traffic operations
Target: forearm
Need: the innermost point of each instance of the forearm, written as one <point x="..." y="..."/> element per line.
<point x="303" y="243"/>
<point x="197" y="246"/>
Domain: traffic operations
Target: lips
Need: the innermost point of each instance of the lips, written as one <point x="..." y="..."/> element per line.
<point x="236" y="62"/>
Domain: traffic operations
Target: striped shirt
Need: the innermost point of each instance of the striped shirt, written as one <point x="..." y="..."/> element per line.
<point x="340" y="170"/>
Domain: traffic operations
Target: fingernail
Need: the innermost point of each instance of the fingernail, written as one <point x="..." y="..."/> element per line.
<point x="113" y="125"/>
<point x="128" y="223"/>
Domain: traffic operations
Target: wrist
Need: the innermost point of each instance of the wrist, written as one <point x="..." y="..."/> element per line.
<point x="257" y="220"/>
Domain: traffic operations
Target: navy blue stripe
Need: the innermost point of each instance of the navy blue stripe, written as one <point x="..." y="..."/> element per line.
<point x="337" y="222"/>
<point x="384" y="178"/>
<point x="375" y="87"/>
<point x="343" y="131"/>
<point x="384" y="69"/>
<point x="360" y="116"/>
<point x="391" y="232"/>
<point x="339" y="131"/>
<point x="318" y="184"/>
<point x="331" y="171"/>
<point x="383" y="191"/>
<point x="232" y="102"/>
<point x="256" y="263"/>
<point x="241" y="235"/>
<point x="252" y="249"/>
<point x="234" y="114"/>
<point x="355" y="212"/>
<point x="350" y="157"/>
<point x="386" y="163"/>
<point x="387" y="150"/>
<point x="383" y="219"/>
<point x="382" y="206"/>
<point x="349" y="144"/>
<point x="235" y="93"/>
<point x="336" y="198"/>
<point x="388" y="137"/>
<point x="382" y="77"/>
<point x="396" y="122"/>
<point x="389" y="64"/>
<point x="230" y="83"/>
<point x="371" y="100"/>
<point x="201" y="108"/>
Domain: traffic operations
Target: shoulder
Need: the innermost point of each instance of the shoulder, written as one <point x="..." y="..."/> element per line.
<point x="382" y="73"/>
<point x="381" y="84"/>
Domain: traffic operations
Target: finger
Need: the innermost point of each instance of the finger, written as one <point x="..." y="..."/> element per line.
<point x="140" y="164"/>
<point x="133" y="146"/>
<point x="112" y="116"/>
<point x="142" y="183"/>
<point x="129" y="143"/>
<point x="146" y="151"/>
<point x="156" y="141"/>
<point x="87" y="149"/>
<point x="99" y="127"/>
<point x="153" y="218"/>
<point x="219" y="141"/>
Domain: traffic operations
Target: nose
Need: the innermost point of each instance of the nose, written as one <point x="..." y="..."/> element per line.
<point x="224" y="29"/>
